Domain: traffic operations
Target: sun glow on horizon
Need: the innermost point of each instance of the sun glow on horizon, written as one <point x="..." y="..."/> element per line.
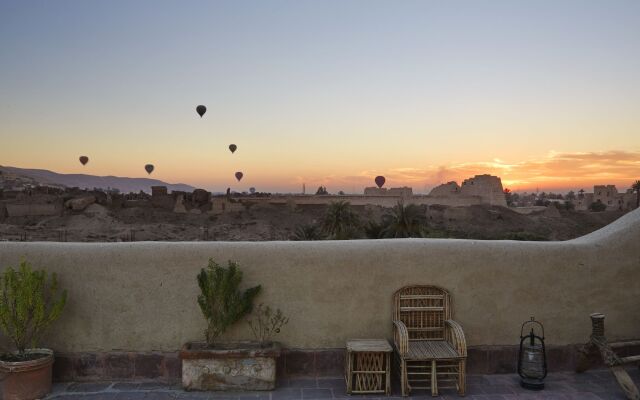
<point x="325" y="93"/>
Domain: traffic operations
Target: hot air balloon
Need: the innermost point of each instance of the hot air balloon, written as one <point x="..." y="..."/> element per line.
<point x="149" y="168"/>
<point x="233" y="148"/>
<point x="252" y="190"/>
<point x="84" y="160"/>
<point x="380" y="181"/>
<point x="201" y="110"/>
<point x="239" y="175"/>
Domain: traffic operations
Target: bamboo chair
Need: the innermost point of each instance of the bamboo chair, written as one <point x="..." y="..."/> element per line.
<point x="430" y="347"/>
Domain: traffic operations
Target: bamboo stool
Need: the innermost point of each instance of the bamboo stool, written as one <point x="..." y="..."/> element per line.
<point x="599" y="346"/>
<point x="368" y="366"/>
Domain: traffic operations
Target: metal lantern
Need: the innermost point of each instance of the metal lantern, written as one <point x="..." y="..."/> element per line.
<point x="532" y="360"/>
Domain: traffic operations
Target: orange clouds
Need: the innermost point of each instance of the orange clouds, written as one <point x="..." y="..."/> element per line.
<point x="555" y="171"/>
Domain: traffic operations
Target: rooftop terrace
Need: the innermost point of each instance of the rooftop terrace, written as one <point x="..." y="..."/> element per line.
<point x="132" y="305"/>
<point x="592" y="385"/>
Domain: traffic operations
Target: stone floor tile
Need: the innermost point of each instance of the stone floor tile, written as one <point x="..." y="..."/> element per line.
<point x="330" y="383"/>
<point x="158" y="386"/>
<point x="558" y="376"/>
<point x="452" y="397"/>
<point x="303" y="383"/>
<point x="582" y="396"/>
<point x="604" y="374"/>
<point x="612" y="396"/>
<point x="558" y="386"/>
<point x="88" y="387"/>
<point x="254" y="396"/>
<point x="341" y="393"/>
<point x="94" y="396"/>
<point x="59" y="387"/>
<point x="196" y="395"/>
<point x="156" y="395"/>
<point x="509" y="379"/>
<point x="544" y="395"/>
<point x="476" y="380"/>
<point x="228" y="393"/>
<point x="125" y="386"/>
<point x="132" y="395"/>
<point x="524" y="395"/>
<point x="475" y="389"/>
<point x="286" y="394"/>
<point x="593" y="385"/>
<point x="499" y="389"/>
<point x="311" y="393"/>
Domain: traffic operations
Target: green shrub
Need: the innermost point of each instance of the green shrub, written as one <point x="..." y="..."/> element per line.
<point x="597" y="206"/>
<point x="29" y="303"/>
<point x="221" y="301"/>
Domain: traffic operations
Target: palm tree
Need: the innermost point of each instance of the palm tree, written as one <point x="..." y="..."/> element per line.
<point x="636" y="187"/>
<point x="340" y="221"/>
<point x="508" y="196"/>
<point x="307" y="232"/>
<point x="373" y="230"/>
<point x="404" y="221"/>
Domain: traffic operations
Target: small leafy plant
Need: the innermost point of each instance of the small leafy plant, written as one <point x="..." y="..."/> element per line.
<point x="29" y="303"/>
<point x="221" y="300"/>
<point x="267" y="323"/>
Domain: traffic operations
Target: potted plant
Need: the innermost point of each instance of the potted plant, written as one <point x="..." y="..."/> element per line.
<point x="29" y="303"/>
<point x="266" y="324"/>
<point x="214" y="365"/>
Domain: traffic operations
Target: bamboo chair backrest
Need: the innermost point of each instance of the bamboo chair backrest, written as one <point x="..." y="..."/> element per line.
<point x="423" y="309"/>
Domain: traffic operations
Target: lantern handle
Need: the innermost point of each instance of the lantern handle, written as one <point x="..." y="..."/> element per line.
<point x="532" y="321"/>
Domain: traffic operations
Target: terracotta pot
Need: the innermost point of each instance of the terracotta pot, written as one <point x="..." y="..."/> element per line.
<point x="229" y="366"/>
<point x="27" y="380"/>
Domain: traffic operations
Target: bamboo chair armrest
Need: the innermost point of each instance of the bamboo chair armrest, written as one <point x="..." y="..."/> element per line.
<point x="455" y="336"/>
<point x="401" y="337"/>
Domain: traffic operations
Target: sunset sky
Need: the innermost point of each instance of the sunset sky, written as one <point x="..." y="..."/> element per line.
<point x="544" y="94"/>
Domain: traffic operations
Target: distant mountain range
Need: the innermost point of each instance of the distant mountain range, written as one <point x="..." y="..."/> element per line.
<point x="83" y="181"/>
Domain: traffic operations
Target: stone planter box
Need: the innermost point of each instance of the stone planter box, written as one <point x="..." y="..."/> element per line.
<point x="229" y="366"/>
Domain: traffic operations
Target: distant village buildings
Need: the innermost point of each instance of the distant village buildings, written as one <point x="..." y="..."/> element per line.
<point x="607" y="195"/>
<point x="20" y="197"/>
<point x="23" y="199"/>
<point x="398" y="192"/>
<point x="481" y="189"/>
<point x="486" y="187"/>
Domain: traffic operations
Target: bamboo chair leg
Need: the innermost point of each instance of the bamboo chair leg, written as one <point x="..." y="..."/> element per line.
<point x="403" y="378"/>
<point x="462" y="378"/>
<point x="348" y="373"/>
<point x="434" y="380"/>
<point x="387" y="368"/>
<point x="625" y="382"/>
